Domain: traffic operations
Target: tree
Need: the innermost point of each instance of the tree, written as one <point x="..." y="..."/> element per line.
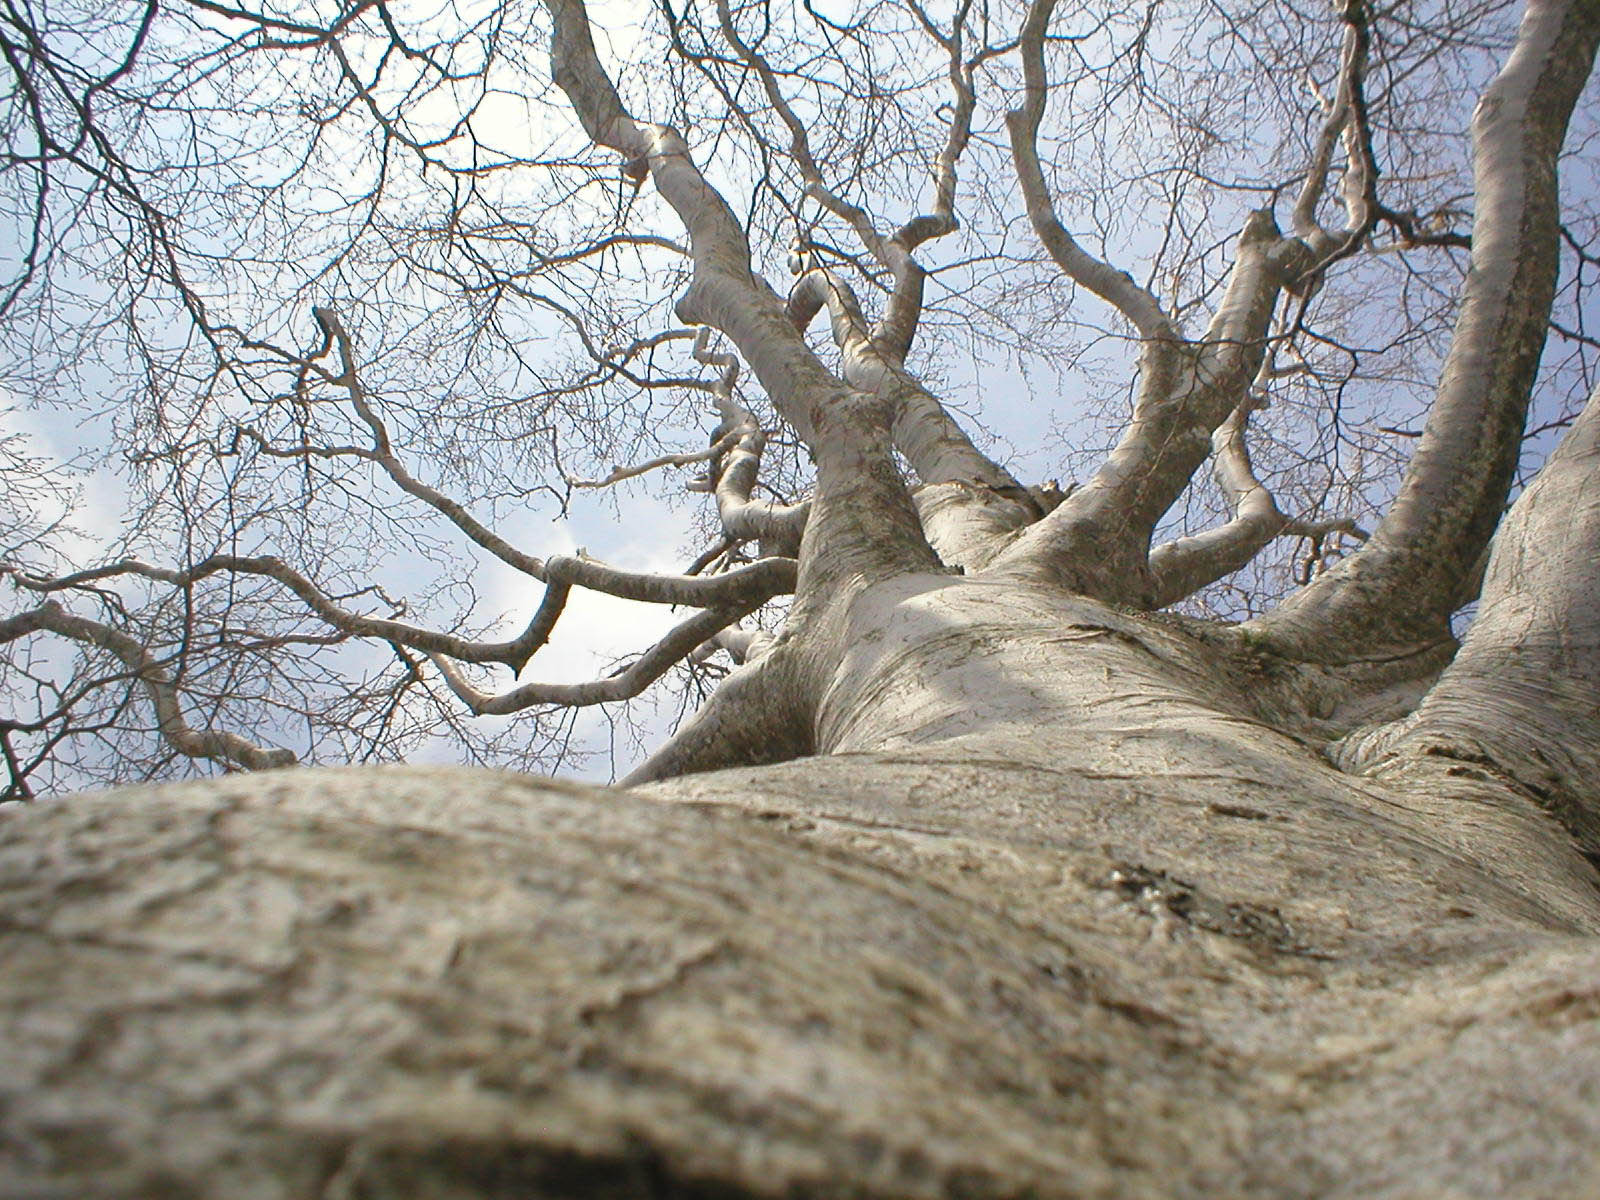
<point x="1010" y="860"/>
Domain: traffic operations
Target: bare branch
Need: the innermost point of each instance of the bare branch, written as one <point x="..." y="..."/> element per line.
<point x="618" y="474"/>
<point x="935" y="445"/>
<point x="219" y="746"/>
<point x="1114" y="286"/>
<point x="1401" y="588"/>
<point x="383" y="454"/>
<point x="1522" y="698"/>
<point x="854" y="458"/>
<point x="751" y="585"/>
<point x="1097" y="540"/>
<point x="1346" y="117"/>
<point x="644" y="671"/>
<point x="1182" y="567"/>
<point x="758" y="582"/>
<point x="733" y="474"/>
<point x="513" y="653"/>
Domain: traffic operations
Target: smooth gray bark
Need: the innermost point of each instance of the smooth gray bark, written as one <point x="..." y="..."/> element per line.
<point x="1521" y="701"/>
<point x="1056" y="915"/>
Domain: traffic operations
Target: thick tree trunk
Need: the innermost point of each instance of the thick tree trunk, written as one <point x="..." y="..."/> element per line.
<point x="1056" y="915"/>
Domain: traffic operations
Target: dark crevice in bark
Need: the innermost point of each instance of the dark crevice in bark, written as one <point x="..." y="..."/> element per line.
<point x="1260" y="927"/>
<point x="472" y="1169"/>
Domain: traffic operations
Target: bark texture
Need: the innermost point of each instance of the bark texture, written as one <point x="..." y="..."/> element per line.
<point x="1055" y="917"/>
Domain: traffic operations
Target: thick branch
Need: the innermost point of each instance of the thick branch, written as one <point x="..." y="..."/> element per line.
<point x="760" y="714"/>
<point x="1401" y="588"/>
<point x="935" y="445"/>
<point x="1097" y="541"/>
<point x="874" y="354"/>
<point x="748" y="586"/>
<point x="1522" y="698"/>
<point x="725" y="293"/>
<point x="735" y="471"/>
<point x="728" y="295"/>
<point x="1184" y="566"/>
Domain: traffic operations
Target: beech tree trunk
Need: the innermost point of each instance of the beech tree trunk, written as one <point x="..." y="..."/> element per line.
<point x="1058" y="913"/>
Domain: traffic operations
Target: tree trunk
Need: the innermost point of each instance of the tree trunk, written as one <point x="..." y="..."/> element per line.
<point x="1056" y="914"/>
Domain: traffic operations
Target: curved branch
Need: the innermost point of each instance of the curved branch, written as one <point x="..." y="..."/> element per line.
<point x="895" y="331"/>
<point x="1097" y="541"/>
<point x="893" y="334"/>
<point x="218" y="746"/>
<point x="514" y="653"/>
<point x="1522" y="697"/>
<point x="1114" y="286"/>
<point x="859" y="489"/>
<point x="1399" y="590"/>
<point x="751" y="585"/>
<point x="935" y="445"/>
<point x="733" y="474"/>
<point x="1184" y="566"/>
<point x="383" y="454"/>
<point x="679" y="643"/>
<point x="755" y="584"/>
<point x="1346" y="117"/>
<point x="819" y="287"/>
<point x="800" y="143"/>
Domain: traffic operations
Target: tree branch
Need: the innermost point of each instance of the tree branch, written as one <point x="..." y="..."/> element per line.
<point x="1114" y="286"/>
<point x="1097" y="540"/>
<point x="935" y="445"/>
<point x="759" y="714"/>
<point x="645" y="670"/>
<point x="1401" y="587"/>
<point x="875" y="524"/>
<point x="733" y="474"/>
<point x="1521" y="700"/>
<point x="1182" y="567"/>
<point x="756" y="583"/>
<point x="218" y="746"/>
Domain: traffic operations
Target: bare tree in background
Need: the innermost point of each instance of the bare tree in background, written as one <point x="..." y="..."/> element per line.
<point x="1144" y="833"/>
